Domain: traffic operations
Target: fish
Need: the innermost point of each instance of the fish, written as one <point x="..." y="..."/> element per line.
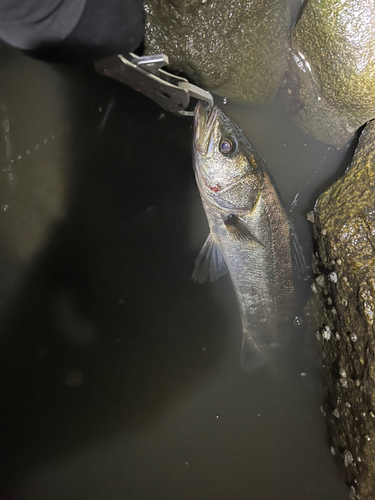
<point x="250" y="234"/>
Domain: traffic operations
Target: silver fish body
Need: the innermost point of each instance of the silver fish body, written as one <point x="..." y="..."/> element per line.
<point x="249" y="230"/>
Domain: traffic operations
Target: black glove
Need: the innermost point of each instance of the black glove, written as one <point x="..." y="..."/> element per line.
<point x="72" y="30"/>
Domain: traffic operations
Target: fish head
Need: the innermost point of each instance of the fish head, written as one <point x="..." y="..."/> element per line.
<point x="227" y="169"/>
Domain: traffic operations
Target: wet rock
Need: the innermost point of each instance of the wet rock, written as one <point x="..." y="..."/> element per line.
<point x="347" y="248"/>
<point x="331" y="83"/>
<point x="236" y="49"/>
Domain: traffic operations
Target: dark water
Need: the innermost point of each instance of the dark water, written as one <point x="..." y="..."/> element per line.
<point x="120" y="377"/>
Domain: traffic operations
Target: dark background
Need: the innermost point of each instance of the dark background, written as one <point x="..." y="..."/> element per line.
<point x="120" y="377"/>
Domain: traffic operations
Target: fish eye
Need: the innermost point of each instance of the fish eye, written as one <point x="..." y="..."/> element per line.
<point x="227" y="146"/>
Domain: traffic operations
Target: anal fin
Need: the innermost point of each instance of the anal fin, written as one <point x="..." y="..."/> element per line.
<point x="251" y="358"/>
<point x="210" y="264"/>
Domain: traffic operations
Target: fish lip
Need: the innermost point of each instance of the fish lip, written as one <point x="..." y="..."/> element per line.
<point x="204" y="119"/>
<point x="197" y="117"/>
<point x="201" y="114"/>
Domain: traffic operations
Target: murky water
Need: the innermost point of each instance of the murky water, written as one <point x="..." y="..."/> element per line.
<point x="120" y="376"/>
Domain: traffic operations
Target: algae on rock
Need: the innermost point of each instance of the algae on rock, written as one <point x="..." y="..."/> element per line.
<point x="331" y="82"/>
<point x="236" y="49"/>
<point x="344" y="227"/>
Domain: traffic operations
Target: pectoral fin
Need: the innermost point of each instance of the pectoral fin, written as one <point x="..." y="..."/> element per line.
<point x="210" y="264"/>
<point x="239" y="230"/>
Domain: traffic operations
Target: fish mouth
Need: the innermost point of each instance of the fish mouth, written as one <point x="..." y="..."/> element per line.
<point x="202" y="113"/>
<point x="204" y="120"/>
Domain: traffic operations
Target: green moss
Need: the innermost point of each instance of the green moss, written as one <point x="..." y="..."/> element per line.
<point x="338" y="38"/>
<point x="332" y="68"/>
<point x="236" y="49"/>
<point x="345" y="232"/>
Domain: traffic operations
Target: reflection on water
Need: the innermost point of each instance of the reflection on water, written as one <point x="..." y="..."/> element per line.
<point x="120" y="376"/>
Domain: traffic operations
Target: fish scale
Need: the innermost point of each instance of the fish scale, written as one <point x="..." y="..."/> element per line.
<point x="249" y="230"/>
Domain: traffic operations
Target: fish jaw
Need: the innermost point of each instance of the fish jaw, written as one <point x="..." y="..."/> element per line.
<point x="204" y="120"/>
<point x="200" y="119"/>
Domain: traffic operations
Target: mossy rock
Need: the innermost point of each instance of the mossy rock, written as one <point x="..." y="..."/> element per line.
<point x="331" y="82"/>
<point x="236" y="49"/>
<point x="344" y="226"/>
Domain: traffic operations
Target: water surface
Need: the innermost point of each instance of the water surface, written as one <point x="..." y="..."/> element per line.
<point x="120" y="376"/>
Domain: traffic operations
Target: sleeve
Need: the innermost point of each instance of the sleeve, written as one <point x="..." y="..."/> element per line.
<point x="72" y="29"/>
<point x="27" y="24"/>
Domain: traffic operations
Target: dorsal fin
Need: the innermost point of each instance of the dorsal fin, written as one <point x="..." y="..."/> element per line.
<point x="298" y="259"/>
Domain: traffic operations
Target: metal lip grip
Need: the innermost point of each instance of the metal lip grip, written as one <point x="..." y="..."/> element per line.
<point x="145" y="75"/>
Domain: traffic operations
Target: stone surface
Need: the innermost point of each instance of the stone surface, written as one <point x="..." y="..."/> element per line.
<point x="236" y="49"/>
<point x="345" y="232"/>
<point x="331" y="80"/>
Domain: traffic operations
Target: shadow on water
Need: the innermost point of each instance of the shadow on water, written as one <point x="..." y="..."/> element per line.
<point x="106" y="327"/>
<point x="342" y="165"/>
<point x="120" y="376"/>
